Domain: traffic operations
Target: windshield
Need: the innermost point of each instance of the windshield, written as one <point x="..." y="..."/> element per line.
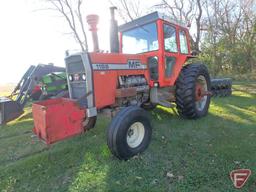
<point x="140" y="39"/>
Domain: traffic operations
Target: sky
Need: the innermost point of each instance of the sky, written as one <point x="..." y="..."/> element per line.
<point x="30" y="35"/>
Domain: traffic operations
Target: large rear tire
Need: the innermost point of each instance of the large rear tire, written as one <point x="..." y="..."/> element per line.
<point x="129" y="132"/>
<point x="192" y="91"/>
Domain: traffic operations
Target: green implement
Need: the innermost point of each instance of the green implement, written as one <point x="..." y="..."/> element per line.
<point x="54" y="85"/>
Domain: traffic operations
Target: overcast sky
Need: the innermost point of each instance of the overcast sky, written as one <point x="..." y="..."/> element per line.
<point x="29" y="36"/>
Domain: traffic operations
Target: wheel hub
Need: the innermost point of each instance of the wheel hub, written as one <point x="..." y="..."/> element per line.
<point x="201" y="93"/>
<point x="130" y="132"/>
<point x="135" y="134"/>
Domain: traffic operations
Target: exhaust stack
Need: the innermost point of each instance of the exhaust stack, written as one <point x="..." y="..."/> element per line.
<point x="114" y="41"/>
<point x="93" y="20"/>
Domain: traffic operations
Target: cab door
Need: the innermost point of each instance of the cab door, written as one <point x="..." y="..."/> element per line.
<point x="175" y="52"/>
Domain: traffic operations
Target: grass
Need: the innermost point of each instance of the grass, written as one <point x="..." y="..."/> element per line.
<point x="184" y="155"/>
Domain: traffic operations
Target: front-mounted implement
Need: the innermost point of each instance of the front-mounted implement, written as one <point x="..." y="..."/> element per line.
<point x="9" y="110"/>
<point x="11" y="107"/>
<point x="57" y="119"/>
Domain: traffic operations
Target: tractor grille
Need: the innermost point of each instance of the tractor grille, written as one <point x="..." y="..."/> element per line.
<point x="74" y="64"/>
<point x="75" y="71"/>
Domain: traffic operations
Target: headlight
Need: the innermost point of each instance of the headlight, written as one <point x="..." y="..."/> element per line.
<point x="84" y="77"/>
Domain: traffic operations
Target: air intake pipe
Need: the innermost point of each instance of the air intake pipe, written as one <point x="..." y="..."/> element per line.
<point x="93" y="20"/>
<point x="114" y="41"/>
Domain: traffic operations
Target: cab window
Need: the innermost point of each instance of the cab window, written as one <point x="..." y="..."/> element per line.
<point x="170" y="43"/>
<point x="140" y="39"/>
<point x="169" y="64"/>
<point x="183" y="42"/>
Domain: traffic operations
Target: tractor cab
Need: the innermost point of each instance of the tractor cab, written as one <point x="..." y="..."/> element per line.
<point x="164" y="41"/>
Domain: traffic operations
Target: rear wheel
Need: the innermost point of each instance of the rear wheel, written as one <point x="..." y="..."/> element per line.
<point x="129" y="132"/>
<point x="192" y="91"/>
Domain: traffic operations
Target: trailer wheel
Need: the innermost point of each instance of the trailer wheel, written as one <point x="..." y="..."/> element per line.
<point x="129" y="132"/>
<point x="192" y="91"/>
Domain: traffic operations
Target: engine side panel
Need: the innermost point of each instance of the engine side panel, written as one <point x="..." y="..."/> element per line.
<point x="107" y="68"/>
<point x="104" y="88"/>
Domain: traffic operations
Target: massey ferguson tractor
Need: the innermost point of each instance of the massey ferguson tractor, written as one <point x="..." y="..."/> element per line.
<point x="149" y="64"/>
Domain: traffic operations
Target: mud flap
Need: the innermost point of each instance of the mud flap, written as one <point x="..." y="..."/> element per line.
<point x="9" y="110"/>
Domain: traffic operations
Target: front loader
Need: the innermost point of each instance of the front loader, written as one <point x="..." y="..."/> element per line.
<point x="11" y="107"/>
<point x="149" y="65"/>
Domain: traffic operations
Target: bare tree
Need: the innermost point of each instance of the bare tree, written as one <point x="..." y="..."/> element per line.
<point x="71" y="11"/>
<point x="128" y="10"/>
<point x="247" y="32"/>
<point x="231" y="26"/>
<point x="198" y="25"/>
<point x="188" y="11"/>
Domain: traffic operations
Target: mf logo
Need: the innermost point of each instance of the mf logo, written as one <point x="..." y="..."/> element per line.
<point x="239" y="177"/>
<point x="134" y="64"/>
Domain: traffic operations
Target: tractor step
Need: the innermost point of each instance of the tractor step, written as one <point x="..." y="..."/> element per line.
<point x="57" y="119"/>
<point x="9" y="110"/>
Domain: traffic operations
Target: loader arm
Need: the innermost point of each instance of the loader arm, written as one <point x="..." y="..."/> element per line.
<point x="11" y="107"/>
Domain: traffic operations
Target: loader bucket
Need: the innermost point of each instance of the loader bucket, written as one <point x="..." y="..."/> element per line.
<point x="57" y="119"/>
<point x="9" y="110"/>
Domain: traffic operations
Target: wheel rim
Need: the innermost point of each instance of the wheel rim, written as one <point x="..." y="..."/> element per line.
<point x="201" y="89"/>
<point x="135" y="134"/>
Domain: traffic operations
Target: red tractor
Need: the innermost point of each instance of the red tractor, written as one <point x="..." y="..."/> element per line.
<point x="148" y="66"/>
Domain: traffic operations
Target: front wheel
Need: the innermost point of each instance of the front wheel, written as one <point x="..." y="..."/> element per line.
<point x="129" y="132"/>
<point x="192" y="91"/>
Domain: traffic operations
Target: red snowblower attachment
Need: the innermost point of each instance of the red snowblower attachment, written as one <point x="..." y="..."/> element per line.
<point x="57" y="119"/>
